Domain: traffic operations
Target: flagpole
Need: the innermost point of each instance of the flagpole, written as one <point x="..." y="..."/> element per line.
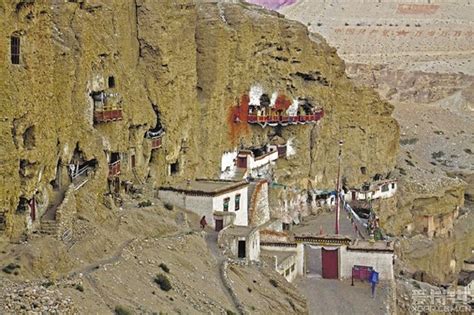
<point x="338" y="184"/>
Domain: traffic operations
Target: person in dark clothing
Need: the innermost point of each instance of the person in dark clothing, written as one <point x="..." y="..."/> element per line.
<point x="203" y="222"/>
<point x="374" y="279"/>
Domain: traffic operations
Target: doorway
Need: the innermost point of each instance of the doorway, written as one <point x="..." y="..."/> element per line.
<point x="330" y="263"/>
<point x="219" y="224"/>
<point x="241" y="253"/>
<point x="313" y="261"/>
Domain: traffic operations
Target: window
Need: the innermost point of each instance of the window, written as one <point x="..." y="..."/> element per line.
<point x="15" y="50"/>
<point x="174" y="168"/>
<point x="393" y="185"/>
<point x="111" y="82"/>
<point x="286" y="226"/>
<point x="287" y="272"/>
<point x="237" y="202"/>
<point x="226" y="204"/>
<point x="363" y="170"/>
<point x="385" y="188"/>
<point x="292" y="267"/>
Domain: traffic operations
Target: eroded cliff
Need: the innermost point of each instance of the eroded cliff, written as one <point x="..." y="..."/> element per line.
<point x="183" y="64"/>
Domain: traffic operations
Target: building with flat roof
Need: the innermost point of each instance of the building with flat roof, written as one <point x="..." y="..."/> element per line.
<point x="212" y="198"/>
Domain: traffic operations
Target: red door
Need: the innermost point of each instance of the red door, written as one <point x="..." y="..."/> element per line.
<point x="242" y="161"/>
<point x="330" y="263"/>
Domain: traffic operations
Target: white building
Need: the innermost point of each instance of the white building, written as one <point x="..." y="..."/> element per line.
<point x="210" y="198"/>
<point x="286" y="258"/>
<point x="257" y="160"/>
<point x="376" y="190"/>
<point x="379" y="255"/>
<point x="240" y="242"/>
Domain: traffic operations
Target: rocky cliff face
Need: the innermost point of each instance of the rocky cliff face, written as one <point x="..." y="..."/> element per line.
<point x="183" y="64"/>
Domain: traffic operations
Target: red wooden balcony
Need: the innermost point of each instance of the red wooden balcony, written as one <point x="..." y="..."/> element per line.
<point x="114" y="169"/>
<point x="275" y="119"/>
<point x="107" y="115"/>
<point x="156" y="143"/>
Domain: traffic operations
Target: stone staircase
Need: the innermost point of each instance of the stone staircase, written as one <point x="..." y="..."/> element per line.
<point x="49" y="227"/>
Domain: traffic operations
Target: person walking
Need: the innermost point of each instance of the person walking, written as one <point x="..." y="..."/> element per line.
<point x="374" y="279"/>
<point x="203" y="222"/>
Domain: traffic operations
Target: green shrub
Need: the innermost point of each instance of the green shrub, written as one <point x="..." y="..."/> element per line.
<point x="164" y="268"/>
<point x="143" y="204"/>
<point x="229" y="312"/>
<point x="79" y="287"/>
<point x="274" y="283"/>
<point x="163" y="281"/>
<point x="408" y="141"/>
<point x="437" y="155"/>
<point x="121" y="310"/>
<point x="169" y="206"/>
<point x="10" y="268"/>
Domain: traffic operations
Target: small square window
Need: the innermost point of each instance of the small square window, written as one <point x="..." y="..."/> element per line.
<point x="226" y="204"/>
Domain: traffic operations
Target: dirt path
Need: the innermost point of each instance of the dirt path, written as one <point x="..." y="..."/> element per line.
<point x="88" y="269"/>
<point x="211" y="241"/>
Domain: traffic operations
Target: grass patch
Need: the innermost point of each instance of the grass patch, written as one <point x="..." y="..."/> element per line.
<point x="163" y="281"/>
<point x="122" y="310"/>
<point x="164" y="268"/>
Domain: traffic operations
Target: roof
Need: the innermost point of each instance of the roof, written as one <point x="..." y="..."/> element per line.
<point x="281" y="256"/>
<point x="238" y="230"/>
<point x="377" y="246"/>
<point x="206" y="187"/>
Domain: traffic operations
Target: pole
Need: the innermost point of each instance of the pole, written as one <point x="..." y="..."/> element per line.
<point x="338" y="183"/>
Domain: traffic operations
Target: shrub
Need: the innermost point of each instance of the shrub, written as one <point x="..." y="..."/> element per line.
<point x="169" y="206"/>
<point x="229" y="312"/>
<point x="79" y="287"/>
<point x="163" y="281"/>
<point x="408" y="141"/>
<point x="121" y="310"/>
<point x="468" y="151"/>
<point x="274" y="283"/>
<point x="10" y="268"/>
<point x="143" y="204"/>
<point x="437" y="155"/>
<point x="164" y="268"/>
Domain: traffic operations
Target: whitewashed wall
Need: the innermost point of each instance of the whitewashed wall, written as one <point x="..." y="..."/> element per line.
<point x="381" y="261"/>
<point x="241" y="216"/>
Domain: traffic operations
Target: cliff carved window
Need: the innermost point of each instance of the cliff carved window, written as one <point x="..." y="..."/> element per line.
<point x="111" y="82"/>
<point x="15" y="50"/>
<point x="237" y="202"/>
<point x="174" y="168"/>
